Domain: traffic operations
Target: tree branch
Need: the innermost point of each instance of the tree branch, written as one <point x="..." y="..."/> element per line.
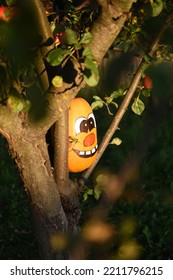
<point x="61" y="153"/>
<point x="43" y="27"/>
<point x="124" y="105"/>
<point x="109" y="23"/>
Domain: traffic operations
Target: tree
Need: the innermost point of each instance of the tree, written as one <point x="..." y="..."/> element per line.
<point x="39" y="78"/>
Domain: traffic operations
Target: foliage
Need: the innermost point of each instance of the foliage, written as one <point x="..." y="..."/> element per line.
<point x="98" y="103"/>
<point x="70" y="44"/>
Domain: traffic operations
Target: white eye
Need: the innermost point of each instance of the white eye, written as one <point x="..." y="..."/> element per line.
<point x="81" y="125"/>
<point x="91" y="121"/>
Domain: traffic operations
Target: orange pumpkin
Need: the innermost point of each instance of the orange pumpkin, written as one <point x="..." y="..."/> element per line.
<point x="82" y="135"/>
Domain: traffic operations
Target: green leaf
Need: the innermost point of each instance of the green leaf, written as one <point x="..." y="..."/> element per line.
<point x="97" y="104"/>
<point x="114" y="94"/>
<point x="77" y="46"/>
<point x="115" y="104"/>
<point x="96" y="97"/>
<point x="87" y="52"/>
<point x="26" y="105"/>
<point x="116" y="141"/>
<point x="56" y="56"/>
<point x="86" y="38"/>
<point x="157" y="7"/>
<point x="97" y="192"/>
<point x="87" y="192"/>
<point x="18" y="104"/>
<point x="71" y="36"/>
<point x="57" y="81"/>
<point x="117" y="93"/>
<point x="147" y="58"/>
<point x="85" y="196"/>
<point x="108" y="99"/>
<point x="138" y="106"/>
<point x="101" y="180"/>
<point x="146" y="92"/>
<point x="91" y="76"/>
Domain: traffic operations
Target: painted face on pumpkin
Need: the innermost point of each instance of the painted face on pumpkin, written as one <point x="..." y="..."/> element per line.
<point x="82" y="135"/>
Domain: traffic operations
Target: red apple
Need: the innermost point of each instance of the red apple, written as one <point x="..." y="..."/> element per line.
<point x="147" y="82"/>
<point x="57" y="38"/>
<point x="7" y="13"/>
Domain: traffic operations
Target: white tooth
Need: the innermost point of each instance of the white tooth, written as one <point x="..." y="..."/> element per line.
<point x="81" y="153"/>
<point x="96" y="147"/>
<point x="93" y="151"/>
<point x="88" y="153"/>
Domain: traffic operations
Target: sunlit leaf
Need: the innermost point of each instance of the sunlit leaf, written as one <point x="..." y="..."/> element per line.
<point x="87" y="192"/>
<point x="86" y="38"/>
<point x="77" y="46"/>
<point x="116" y="141"/>
<point x="97" y="192"/>
<point x="138" y="106"/>
<point x="57" y="81"/>
<point x="96" y="97"/>
<point x="91" y="77"/>
<point x="85" y="196"/>
<point x="97" y="104"/>
<point x="115" y="104"/>
<point x="87" y="52"/>
<point x="108" y="99"/>
<point x="157" y="7"/>
<point x="101" y="180"/>
<point x="117" y="93"/>
<point x="18" y="104"/>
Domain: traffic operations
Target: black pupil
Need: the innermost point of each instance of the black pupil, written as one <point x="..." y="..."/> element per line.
<point x="87" y="124"/>
<point x="91" y="123"/>
<point x="84" y="126"/>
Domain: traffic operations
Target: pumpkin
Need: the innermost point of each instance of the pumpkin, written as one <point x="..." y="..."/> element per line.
<point x="82" y="135"/>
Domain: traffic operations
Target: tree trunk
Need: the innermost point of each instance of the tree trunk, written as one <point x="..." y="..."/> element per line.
<point x="32" y="159"/>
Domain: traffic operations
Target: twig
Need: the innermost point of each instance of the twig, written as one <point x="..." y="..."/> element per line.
<point x="46" y="33"/>
<point x="83" y="5"/>
<point x="125" y="103"/>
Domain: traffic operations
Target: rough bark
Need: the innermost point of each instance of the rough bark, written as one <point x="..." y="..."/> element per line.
<point x="109" y="23"/>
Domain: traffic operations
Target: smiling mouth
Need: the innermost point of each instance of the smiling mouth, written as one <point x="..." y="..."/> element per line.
<point x="86" y="154"/>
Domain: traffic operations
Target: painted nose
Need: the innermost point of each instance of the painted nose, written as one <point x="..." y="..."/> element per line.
<point x="89" y="140"/>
